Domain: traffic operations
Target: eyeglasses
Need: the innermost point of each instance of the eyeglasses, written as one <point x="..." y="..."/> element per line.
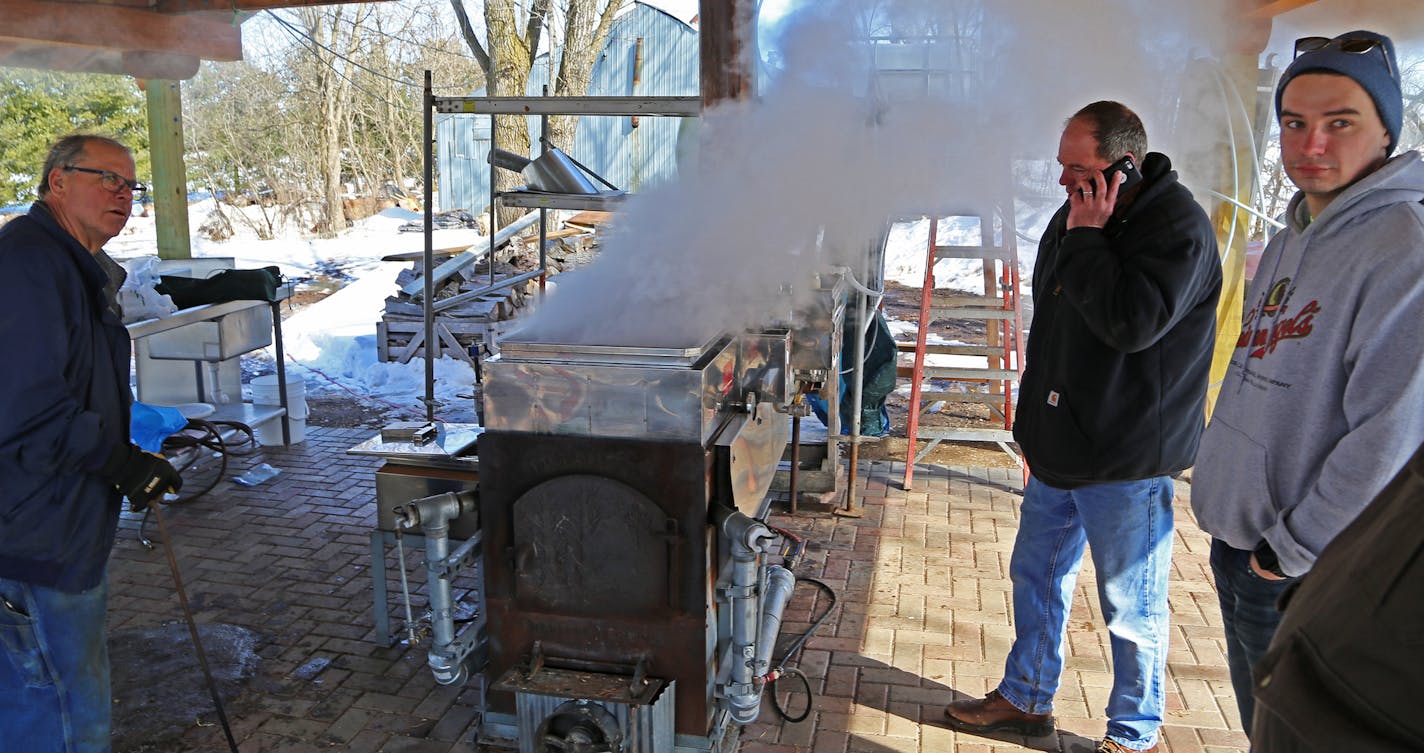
<point x="1351" y="45"/>
<point x="112" y="182"/>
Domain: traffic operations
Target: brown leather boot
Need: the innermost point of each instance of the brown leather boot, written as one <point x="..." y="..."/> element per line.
<point x="993" y="714"/>
<point x="1113" y="746"/>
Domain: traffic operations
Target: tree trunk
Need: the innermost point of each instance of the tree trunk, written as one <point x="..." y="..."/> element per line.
<point x="507" y="76"/>
<point x="508" y="57"/>
<point x="585" y="33"/>
<point x="337" y="38"/>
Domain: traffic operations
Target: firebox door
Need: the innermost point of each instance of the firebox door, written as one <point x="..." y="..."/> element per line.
<point x="591" y="545"/>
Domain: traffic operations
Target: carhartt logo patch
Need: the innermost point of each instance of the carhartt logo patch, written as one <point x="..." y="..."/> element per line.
<point x="1053" y="398"/>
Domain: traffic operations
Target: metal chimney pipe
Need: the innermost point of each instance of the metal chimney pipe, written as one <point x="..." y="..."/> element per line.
<point x="508" y="160"/>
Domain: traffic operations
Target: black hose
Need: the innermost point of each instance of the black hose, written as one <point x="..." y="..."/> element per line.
<point x="805" y="685"/>
<point x="205" y="435"/>
<point x="208" y="435"/>
<point x="800" y="641"/>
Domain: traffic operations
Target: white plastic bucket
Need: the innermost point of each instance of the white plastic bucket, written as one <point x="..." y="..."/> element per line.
<point x="265" y="393"/>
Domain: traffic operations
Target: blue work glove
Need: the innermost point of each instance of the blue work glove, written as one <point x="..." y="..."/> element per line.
<point x="140" y="476"/>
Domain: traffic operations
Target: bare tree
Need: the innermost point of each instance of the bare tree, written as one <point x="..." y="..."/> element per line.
<point x="511" y="45"/>
<point x="335" y="33"/>
<point x="237" y="145"/>
<point x="585" y="33"/>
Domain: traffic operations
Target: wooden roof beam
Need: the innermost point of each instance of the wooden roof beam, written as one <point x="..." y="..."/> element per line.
<point x="1276" y="8"/>
<point x="136" y="63"/>
<point x="245" y="6"/>
<point x="120" y="29"/>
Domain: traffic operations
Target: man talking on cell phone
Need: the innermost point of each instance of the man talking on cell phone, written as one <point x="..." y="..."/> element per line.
<point x="1112" y="403"/>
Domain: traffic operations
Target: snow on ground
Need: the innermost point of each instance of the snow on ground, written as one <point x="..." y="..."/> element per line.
<point x="332" y="344"/>
<point x="355" y="251"/>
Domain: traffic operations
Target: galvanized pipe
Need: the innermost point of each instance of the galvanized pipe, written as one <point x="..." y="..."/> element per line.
<point x="433" y="515"/>
<point x="795" y="458"/>
<point x="748" y="540"/>
<point x="777" y="592"/>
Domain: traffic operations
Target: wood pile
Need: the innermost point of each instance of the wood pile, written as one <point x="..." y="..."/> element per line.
<point x="459" y="329"/>
<point x="468" y="324"/>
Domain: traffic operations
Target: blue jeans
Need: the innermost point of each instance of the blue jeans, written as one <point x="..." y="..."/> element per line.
<point x="1128" y="528"/>
<point x="1249" y="614"/>
<point x="54" y="669"/>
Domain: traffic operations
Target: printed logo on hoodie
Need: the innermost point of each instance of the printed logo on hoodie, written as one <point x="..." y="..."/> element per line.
<point x="1276" y="320"/>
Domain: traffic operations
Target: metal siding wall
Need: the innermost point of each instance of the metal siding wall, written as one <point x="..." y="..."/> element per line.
<point x="462" y="142"/>
<point x="630" y="158"/>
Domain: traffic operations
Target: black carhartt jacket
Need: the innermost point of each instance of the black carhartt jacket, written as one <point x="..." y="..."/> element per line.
<point x="1114" y="386"/>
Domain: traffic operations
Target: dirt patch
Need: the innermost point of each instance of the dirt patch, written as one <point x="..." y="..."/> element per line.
<point x="347" y="413"/>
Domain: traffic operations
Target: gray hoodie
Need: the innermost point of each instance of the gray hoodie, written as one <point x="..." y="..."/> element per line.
<point x="1324" y="399"/>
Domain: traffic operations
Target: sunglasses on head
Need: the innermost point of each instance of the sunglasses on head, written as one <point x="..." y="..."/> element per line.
<point x="1350" y="45"/>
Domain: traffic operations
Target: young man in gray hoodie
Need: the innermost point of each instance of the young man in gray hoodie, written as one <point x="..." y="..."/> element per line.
<point x="1324" y="398"/>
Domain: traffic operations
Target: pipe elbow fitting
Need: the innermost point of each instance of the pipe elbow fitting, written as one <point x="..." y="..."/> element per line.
<point x="447" y="671"/>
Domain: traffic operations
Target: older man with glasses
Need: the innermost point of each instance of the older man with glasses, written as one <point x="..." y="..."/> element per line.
<point x="1324" y="397"/>
<point x="65" y="456"/>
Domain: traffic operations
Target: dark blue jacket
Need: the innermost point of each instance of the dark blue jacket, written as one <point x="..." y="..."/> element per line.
<point x="1124" y="320"/>
<point x="64" y="406"/>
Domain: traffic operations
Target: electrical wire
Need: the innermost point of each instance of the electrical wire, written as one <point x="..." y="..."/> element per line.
<point x="301" y="35"/>
<point x="298" y="36"/>
<point x="805" y="688"/>
<point x="409" y="42"/>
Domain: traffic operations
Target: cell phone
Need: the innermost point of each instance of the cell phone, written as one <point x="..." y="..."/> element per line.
<point x="1127" y="166"/>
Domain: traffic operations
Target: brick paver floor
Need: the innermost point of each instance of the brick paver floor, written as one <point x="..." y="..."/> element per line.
<point x="922" y="618"/>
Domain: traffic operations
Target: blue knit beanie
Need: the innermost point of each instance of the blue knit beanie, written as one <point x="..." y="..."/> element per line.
<point x="1368" y="69"/>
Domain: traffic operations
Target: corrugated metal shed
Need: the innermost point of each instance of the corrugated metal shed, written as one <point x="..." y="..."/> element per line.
<point x="631" y="157"/>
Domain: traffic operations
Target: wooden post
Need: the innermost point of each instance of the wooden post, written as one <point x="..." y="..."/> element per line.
<point x="169" y="188"/>
<point x="727" y="35"/>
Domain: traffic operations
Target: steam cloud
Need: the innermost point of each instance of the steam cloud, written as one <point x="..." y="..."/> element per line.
<point x="808" y="175"/>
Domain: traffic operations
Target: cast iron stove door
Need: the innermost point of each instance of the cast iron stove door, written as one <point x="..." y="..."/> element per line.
<point x="590" y="545"/>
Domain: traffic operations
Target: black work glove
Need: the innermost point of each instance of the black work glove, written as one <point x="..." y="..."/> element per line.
<point x="140" y="476"/>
